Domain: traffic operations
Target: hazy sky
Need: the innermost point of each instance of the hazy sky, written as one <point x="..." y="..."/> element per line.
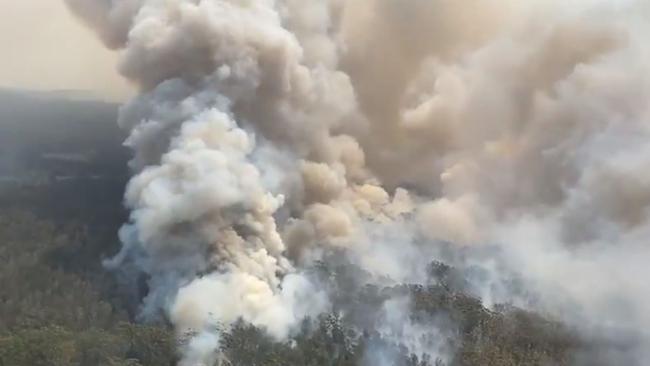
<point x="46" y="48"/>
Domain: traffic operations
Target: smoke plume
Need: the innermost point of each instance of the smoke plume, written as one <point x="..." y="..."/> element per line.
<point x="269" y="134"/>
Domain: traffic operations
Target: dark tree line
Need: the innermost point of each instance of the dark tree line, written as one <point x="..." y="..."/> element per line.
<point x="55" y="313"/>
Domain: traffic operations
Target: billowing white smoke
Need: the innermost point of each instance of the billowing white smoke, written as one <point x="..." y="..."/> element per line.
<point x="268" y="133"/>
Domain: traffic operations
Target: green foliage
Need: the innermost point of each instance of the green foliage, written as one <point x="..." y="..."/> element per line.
<point x="127" y="344"/>
<point x="150" y="345"/>
<point x="34" y="292"/>
<point x="57" y="312"/>
<point x="51" y="316"/>
<point x="329" y="344"/>
<point x="477" y="336"/>
<point x="516" y="337"/>
<point x="54" y="313"/>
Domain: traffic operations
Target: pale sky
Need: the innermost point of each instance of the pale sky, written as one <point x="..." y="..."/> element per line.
<point x="44" y="47"/>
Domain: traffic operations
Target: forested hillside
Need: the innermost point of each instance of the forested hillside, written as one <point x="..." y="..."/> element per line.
<point x="59" y="306"/>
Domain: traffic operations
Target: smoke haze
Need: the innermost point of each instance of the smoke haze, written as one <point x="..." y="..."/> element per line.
<point x="270" y="135"/>
<point x="46" y="48"/>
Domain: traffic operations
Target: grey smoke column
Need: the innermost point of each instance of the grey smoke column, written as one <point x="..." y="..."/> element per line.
<point x="233" y="122"/>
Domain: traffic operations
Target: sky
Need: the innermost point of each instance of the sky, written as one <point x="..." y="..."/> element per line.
<point x="46" y="48"/>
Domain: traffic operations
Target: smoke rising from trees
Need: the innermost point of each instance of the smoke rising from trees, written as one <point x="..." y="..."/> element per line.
<point x="269" y="136"/>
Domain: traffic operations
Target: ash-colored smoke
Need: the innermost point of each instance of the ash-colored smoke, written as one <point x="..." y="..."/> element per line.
<point x="269" y="133"/>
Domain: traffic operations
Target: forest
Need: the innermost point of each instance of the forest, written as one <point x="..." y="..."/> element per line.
<point x="59" y="306"/>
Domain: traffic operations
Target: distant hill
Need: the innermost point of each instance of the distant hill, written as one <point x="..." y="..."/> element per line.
<point x="61" y="155"/>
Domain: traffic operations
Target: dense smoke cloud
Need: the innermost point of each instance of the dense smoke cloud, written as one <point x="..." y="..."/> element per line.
<point x="269" y="134"/>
